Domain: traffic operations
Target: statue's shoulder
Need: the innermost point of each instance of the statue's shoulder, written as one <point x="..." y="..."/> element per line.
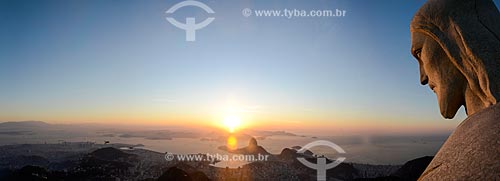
<point x="471" y="152"/>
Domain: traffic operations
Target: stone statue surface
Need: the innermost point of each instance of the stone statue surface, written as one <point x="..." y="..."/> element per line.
<point x="457" y="46"/>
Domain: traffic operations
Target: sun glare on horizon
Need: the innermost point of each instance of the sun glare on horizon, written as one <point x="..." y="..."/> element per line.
<point x="232" y="122"/>
<point x="232" y="113"/>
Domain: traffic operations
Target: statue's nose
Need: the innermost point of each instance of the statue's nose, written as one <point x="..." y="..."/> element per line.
<point x="424" y="79"/>
<point x="423" y="76"/>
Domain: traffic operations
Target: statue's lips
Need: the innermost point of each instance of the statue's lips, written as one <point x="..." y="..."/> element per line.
<point x="432" y="86"/>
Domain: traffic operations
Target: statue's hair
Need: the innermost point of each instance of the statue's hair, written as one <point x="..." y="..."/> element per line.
<point x="469" y="33"/>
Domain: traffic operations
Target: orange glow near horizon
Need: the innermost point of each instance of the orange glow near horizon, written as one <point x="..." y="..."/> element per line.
<point x="237" y="114"/>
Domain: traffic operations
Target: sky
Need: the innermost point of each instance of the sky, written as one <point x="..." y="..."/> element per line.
<point x="121" y="62"/>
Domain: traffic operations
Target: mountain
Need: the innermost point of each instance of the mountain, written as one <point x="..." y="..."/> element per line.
<point x="111" y="154"/>
<point x="252" y="149"/>
<point x="291" y="153"/>
<point x="412" y="169"/>
<point x="23" y="128"/>
<point x="175" y="173"/>
<point x="19" y="161"/>
<point x="105" y="162"/>
<point x="287" y="154"/>
<point x="29" y="173"/>
<point x="23" y="124"/>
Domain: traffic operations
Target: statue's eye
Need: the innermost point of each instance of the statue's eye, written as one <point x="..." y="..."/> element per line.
<point x="417" y="53"/>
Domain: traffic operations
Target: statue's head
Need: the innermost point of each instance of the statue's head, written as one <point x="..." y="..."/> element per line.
<point x="457" y="46"/>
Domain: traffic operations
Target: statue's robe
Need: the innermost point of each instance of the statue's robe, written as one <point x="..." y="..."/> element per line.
<point x="472" y="152"/>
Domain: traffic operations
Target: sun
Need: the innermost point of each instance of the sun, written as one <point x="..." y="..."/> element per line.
<point x="232" y="122"/>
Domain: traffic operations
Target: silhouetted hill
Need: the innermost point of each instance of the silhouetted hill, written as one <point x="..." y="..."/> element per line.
<point x="5" y="173"/>
<point x="343" y="171"/>
<point x="31" y="173"/>
<point x="287" y="154"/>
<point x="412" y="169"/>
<point x="174" y="173"/>
<point x="110" y="153"/>
<point x="193" y="173"/>
<point x="252" y="149"/>
<point x="111" y="163"/>
<point x="386" y="178"/>
<point x="23" y="124"/>
<point x="23" y="160"/>
<point x="199" y="176"/>
<point x="104" y="164"/>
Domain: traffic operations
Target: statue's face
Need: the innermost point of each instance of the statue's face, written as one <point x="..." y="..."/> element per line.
<point x="440" y="73"/>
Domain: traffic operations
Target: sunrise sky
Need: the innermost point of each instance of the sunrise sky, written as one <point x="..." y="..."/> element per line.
<point x="123" y="63"/>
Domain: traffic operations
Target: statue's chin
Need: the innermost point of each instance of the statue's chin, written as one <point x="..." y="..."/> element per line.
<point x="448" y="111"/>
<point x="448" y="115"/>
<point x="449" y="102"/>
